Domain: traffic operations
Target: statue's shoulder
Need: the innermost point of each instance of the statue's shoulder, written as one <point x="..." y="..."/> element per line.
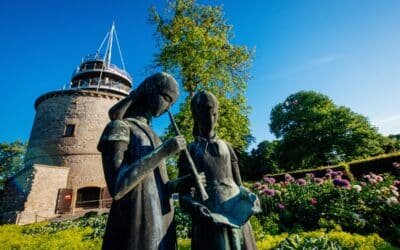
<point x="116" y="130"/>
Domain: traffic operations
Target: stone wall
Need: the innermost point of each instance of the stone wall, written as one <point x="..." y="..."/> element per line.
<point x="13" y="197"/>
<point x="42" y="199"/>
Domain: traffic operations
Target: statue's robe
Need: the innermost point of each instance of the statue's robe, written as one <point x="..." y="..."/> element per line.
<point x="143" y="218"/>
<point x="218" y="161"/>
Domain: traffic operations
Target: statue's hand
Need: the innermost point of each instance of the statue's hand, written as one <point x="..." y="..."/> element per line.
<point x="202" y="179"/>
<point x="175" y="144"/>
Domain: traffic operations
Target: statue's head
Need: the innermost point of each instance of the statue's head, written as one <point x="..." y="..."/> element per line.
<point x="154" y="95"/>
<point x="204" y="107"/>
<point x="159" y="92"/>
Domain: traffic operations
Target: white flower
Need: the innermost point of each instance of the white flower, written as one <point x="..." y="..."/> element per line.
<point x="395" y="193"/>
<point x="392" y="201"/>
<point x="358" y="188"/>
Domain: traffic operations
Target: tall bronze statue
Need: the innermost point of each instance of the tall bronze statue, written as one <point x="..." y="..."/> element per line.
<point x="141" y="215"/>
<point x="220" y="219"/>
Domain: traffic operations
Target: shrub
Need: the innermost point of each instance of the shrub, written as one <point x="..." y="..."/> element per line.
<point x="322" y="240"/>
<point x="92" y="220"/>
<point x="12" y="237"/>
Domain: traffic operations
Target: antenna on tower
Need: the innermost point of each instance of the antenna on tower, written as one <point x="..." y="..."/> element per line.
<point x="108" y="52"/>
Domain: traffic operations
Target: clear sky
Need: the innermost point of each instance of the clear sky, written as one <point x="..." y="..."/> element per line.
<point x="346" y="49"/>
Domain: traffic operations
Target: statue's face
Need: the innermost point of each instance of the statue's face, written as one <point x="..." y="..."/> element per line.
<point x="207" y="117"/>
<point x="161" y="100"/>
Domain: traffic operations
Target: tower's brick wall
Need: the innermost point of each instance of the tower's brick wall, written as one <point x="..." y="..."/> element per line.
<point x="88" y="112"/>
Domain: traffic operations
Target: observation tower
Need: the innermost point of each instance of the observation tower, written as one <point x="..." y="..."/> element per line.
<point x="63" y="169"/>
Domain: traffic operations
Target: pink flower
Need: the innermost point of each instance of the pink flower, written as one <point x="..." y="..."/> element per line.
<point x="269" y="180"/>
<point x="301" y="182"/>
<point x="366" y="176"/>
<point x="314" y="201"/>
<point x="342" y="183"/>
<point x="397" y="183"/>
<point x="363" y="184"/>
<point x="392" y="187"/>
<point x="318" y="181"/>
<point x="378" y="178"/>
<point x="263" y="188"/>
<point x="339" y="173"/>
<point x="257" y="185"/>
<point x="269" y="192"/>
<point x="289" y="178"/>
<point x="281" y="206"/>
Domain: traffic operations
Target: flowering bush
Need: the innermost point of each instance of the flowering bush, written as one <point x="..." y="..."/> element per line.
<point x="365" y="206"/>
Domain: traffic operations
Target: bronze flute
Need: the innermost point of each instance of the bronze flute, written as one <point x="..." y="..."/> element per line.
<point x="199" y="186"/>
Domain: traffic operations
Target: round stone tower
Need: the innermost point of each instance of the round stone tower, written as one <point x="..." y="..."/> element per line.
<point x="68" y="125"/>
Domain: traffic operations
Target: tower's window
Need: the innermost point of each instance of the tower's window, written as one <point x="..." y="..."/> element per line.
<point x="69" y="130"/>
<point x="88" y="197"/>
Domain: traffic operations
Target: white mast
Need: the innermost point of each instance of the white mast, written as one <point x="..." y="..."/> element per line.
<point x="110" y="43"/>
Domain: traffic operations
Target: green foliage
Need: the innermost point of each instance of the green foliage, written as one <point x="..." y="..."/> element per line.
<point x="323" y="240"/>
<point x="96" y="223"/>
<point x="11" y="159"/>
<point x="295" y="242"/>
<point x="12" y="237"/>
<point x="184" y="244"/>
<point x="183" y="223"/>
<point x="261" y="160"/>
<point x="195" y="47"/>
<point x="316" y="132"/>
<point x="16" y="237"/>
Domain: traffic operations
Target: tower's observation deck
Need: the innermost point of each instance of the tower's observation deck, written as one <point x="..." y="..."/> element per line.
<point x="95" y="73"/>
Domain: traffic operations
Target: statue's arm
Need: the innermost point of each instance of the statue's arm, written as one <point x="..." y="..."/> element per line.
<point x="235" y="166"/>
<point x="130" y="176"/>
<point x="112" y="156"/>
<point x="187" y="192"/>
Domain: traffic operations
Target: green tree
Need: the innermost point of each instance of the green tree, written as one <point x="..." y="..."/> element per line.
<point x="314" y="131"/>
<point x="260" y="161"/>
<point x="194" y="42"/>
<point x="11" y="159"/>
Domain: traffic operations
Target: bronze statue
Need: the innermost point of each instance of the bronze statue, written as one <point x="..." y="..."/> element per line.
<point x="141" y="215"/>
<point x="220" y="221"/>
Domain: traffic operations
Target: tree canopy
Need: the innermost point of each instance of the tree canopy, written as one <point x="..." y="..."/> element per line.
<point x="11" y="159"/>
<point x="259" y="161"/>
<point x="195" y="47"/>
<point x="314" y="131"/>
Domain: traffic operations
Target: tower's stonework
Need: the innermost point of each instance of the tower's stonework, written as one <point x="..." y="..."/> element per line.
<point x="85" y="112"/>
<point x="63" y="169"/>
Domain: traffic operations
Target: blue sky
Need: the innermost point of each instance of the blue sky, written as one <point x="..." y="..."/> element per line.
<point x="346" y="49"/>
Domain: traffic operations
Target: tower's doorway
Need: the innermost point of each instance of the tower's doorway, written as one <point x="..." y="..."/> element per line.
<point x="88" y="197"/>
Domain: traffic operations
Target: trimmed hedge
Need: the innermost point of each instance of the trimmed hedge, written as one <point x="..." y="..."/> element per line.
<point x="377" y="165"/>
<point x="354" y="169"/>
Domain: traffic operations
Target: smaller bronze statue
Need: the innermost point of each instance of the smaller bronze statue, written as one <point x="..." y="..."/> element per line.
<point x="142" y="212"/>
<point x="220" y="221"/>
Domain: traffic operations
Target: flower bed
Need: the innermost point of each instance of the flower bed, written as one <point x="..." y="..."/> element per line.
<point x="366" y="206"/>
